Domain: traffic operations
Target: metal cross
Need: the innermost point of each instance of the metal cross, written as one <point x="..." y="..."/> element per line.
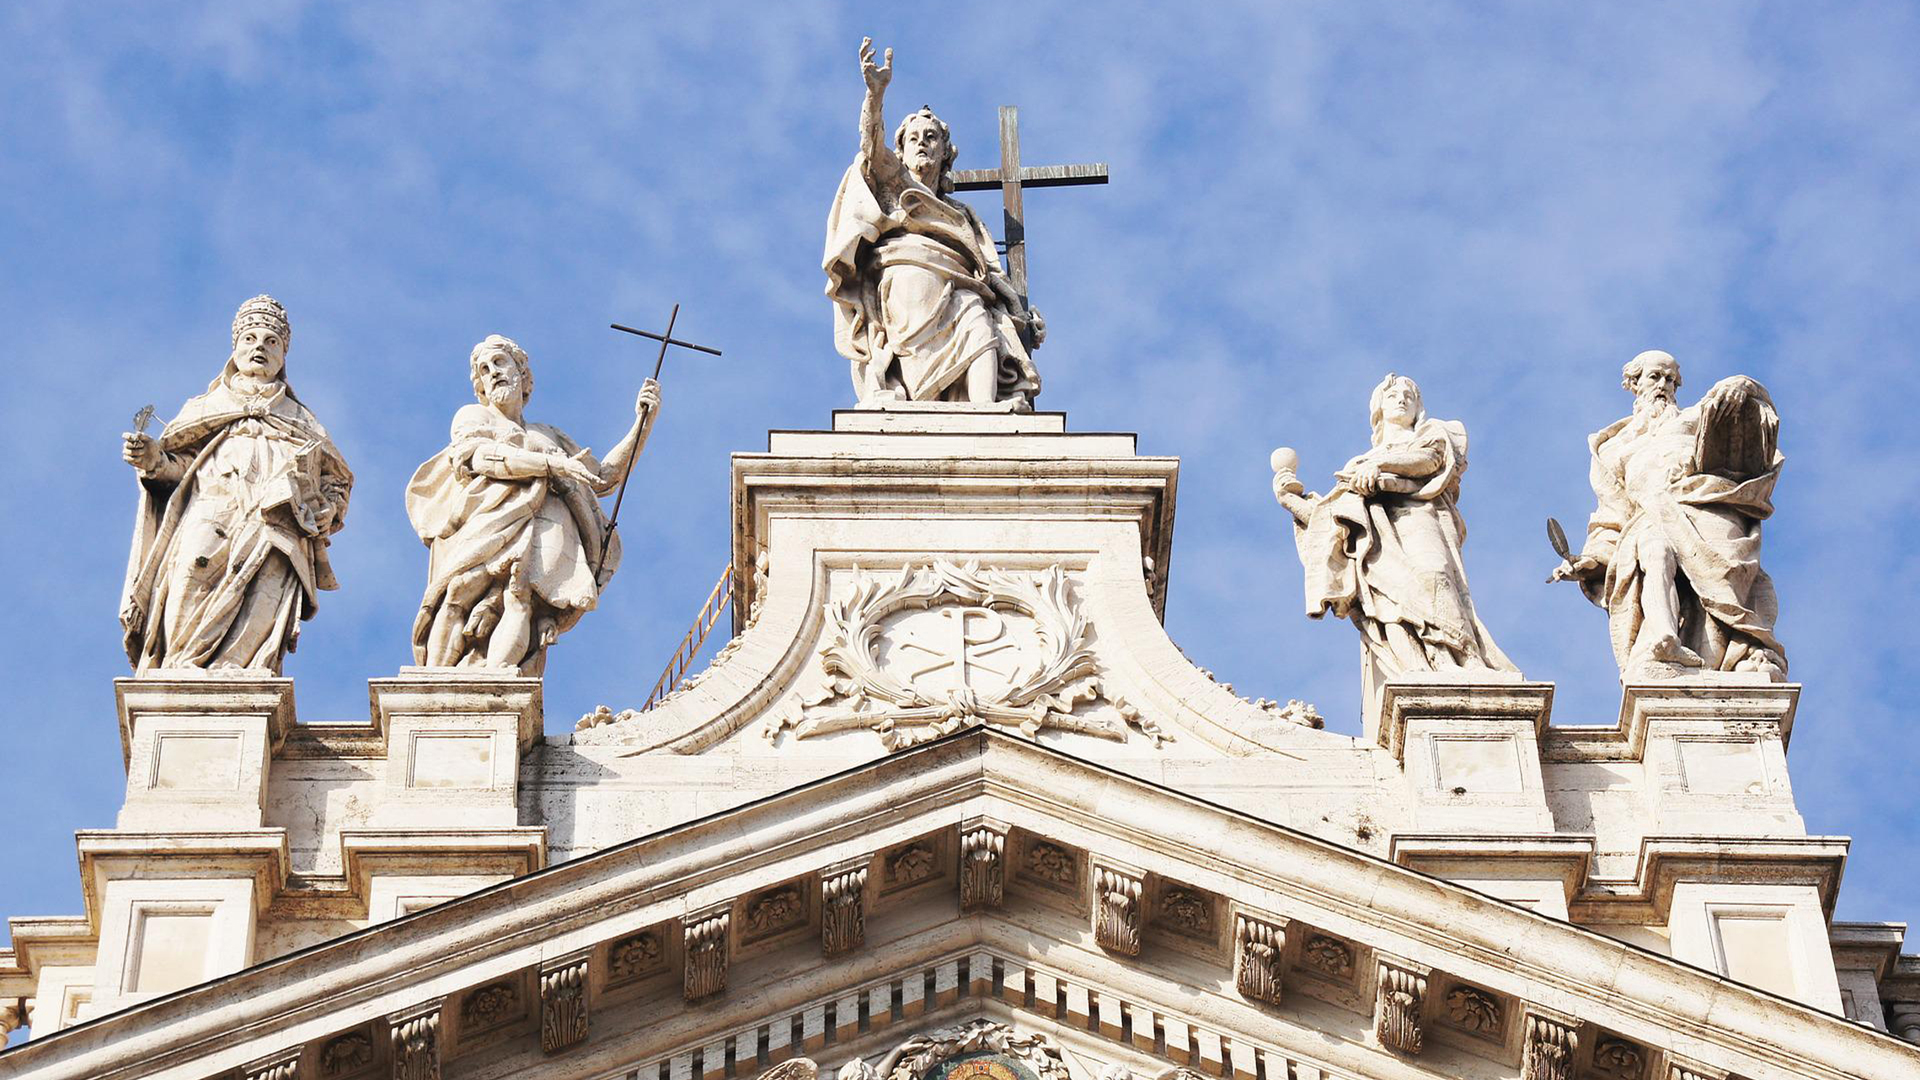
<point x="1010" y="178"/>
<point x="665" y="340"/>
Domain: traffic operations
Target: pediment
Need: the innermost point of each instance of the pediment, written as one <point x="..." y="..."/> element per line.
<point x="974" y="877"/>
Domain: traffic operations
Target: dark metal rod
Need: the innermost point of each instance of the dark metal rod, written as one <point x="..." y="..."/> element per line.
<point x="627" y="474"/>
<point x="670" y="341"/>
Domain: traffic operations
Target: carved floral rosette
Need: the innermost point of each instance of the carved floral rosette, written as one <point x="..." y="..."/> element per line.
<point x="859" y="693"/>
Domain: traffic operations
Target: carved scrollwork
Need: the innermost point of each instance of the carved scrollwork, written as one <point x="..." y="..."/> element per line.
<point x="1549" y="1049"/>
<point x="1044" y="693"/>
<point x="563" y="1005"/>
<point x="416" y="1045"/>
<point x="1116" y="910"/>
<point x="1398" y="998"/>
<point x="1258" y="946"/>
<point x="920" y="1055"/>
<point x="843" y="922"/>
<point x="706" y="956"/>
<point x="983" y="858"/>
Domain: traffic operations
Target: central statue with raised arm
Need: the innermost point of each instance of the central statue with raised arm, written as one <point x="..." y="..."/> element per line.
<point x="921" y="306"/>
<point x="511" y="513"/>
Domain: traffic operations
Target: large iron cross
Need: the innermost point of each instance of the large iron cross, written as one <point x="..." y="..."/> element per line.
<point x="1010" y="178"/>
<point x="665" y="340"/>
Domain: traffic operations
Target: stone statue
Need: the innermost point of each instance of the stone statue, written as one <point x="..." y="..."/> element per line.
<point x="1673" y="550"/>
<point x="1382" y="548"/>
<point x="511" y="513"/>
<point x="921" y="306"/>
<point x="238" y="497"/>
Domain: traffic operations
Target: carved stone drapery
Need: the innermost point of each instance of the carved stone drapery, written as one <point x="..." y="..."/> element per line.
<point x="1548" y="1051"/>
<point x="416" y="1043"/>
<point x="1043" y="691"/>
<point x="563" y="1004"/>
<point x="983" y="867"/>
<point x="1116" y="910"/>
<point x="282" y="1066"/>
<point x="1257" y="948"/>
<point x="843" y="919"/>
<point x="1398" y="997"/>
<point x="706" y="955"/>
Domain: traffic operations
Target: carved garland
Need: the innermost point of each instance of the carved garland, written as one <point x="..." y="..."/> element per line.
<point x="860" y="694"/>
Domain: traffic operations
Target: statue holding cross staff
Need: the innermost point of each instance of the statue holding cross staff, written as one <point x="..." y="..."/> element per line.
<point x="510" y="511"/>
<point x="923" y="309"/>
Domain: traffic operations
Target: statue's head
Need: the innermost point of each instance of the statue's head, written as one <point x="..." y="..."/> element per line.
<point x="501" y="372"/>
<point x="1652" y="376"/>
<point x="925" y="146"/>
<point x="260" y="338"/>
<point x="1396" y="403"/>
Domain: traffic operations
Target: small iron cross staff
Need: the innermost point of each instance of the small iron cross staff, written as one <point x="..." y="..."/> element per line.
<point x="665" y="340"/>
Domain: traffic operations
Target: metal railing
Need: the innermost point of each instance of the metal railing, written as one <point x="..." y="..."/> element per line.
<point x="717" y="602"/>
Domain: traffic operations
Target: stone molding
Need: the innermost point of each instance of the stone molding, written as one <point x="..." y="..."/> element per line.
<point x="191" y="694"/>
<point x="760" y="845"/>
<point x="1725" y="697"/>
<point x="1474" y="695"/>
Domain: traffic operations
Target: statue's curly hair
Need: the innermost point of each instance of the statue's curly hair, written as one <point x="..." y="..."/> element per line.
<point x="511" y="348"/>
<point x="1635" y="367"/>
<point x="925" y="112"/>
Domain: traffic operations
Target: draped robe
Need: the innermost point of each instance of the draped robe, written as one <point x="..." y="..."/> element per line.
<point x="230" y="536"/>
<point x="481" y="528"/>
<point x="1390" y="562"/>
<point x="912" y="305"/>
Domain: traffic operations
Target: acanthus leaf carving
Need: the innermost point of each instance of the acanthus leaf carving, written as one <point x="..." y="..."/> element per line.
<point x="1549" y="1049"/>
<point x="922" y="1054"/>
<point x="706" y="955"/>
<point x="1474" y="1010"/>
<point x="859" y="692"/>
<point x="563" y="1005"/>
<point x="1116" y="910"/>
<point x="1398" y="997"/>
<point x="1258" y="948"/>
<point x="843" y="922"/>
<point x="983" y="858"/>
<point x="416" y="1043"/>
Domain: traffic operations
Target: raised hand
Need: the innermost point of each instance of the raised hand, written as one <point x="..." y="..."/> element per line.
<point x="1577" y="568"/>
<point x="140" y="451"/>
<point x="877" y="77"/>
<point x="648" y="403"/>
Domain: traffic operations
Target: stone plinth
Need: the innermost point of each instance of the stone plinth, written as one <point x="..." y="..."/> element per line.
<point x="1470" y="746"/>
<point x="454" y="738"/>
<point x="198" y="748"/>
<point x="174" y="908"/>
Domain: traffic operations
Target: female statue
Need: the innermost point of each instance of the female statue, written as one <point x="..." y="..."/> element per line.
<point x="1382" y="548"/>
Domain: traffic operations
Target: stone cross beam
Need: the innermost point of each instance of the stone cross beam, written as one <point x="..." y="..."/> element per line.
<point x="1011" y="178"/>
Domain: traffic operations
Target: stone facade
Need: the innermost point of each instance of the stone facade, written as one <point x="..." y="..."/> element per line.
<point x="952" y="769"/>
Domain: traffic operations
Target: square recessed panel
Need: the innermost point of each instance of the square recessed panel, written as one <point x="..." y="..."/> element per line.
<point x="1756" y="950"/>
<point x="452" y="761"/>
<point x="196" y="762"/>
<point x="1476" y="766"/>
<point x="169" y="950"/>
<point x="1714" y="767"/>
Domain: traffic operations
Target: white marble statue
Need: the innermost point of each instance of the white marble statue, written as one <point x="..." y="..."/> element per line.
<point x="921" y="306"/>
<point x="1382" y="548"/>
<point x="1673" y="550"/>
<point x="510" y="511"/>
<point x="238" y="497"/>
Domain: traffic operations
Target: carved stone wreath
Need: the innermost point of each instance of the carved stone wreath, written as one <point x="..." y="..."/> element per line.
<point x="859" y="692"/>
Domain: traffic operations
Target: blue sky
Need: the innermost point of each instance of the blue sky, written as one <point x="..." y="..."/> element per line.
<point x="1505" y="201"/>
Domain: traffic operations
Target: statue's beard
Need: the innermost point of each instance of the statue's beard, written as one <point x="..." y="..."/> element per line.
<point x="503" y="395"/>
<point x="1653" y="404"/>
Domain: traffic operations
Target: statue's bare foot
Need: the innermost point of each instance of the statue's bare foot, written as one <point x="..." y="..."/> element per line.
<point x="1668" y="650"/>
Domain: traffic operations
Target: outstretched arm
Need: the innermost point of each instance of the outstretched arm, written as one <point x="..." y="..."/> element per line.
<point x="646" y="408"/>
<point x="877" y="159"/>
